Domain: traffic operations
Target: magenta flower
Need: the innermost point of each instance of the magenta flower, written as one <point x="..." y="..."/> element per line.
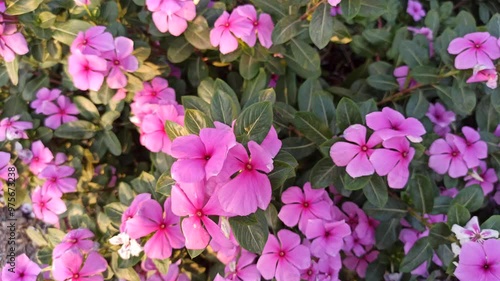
<point x="79" y="240"/>
<point x="284" y="258"/>
<point x="446" y="157"/>
<point x="87" y="71"/>
<point x="271" y="143"/>
<point x="327" y="236"/>
<point x="227" y="28"/>
<point x="44" y="96"/>
<point x="58" y="180"/>
<point x="354" y="154"/>
<point x="153" y="134"/>
<point x="244" y="269"/>
<point x="120" y="60"/>
<point x="11" y="128"/>
<point x="359" y="223"/>
<point x="250" y="188"/>
<point x="479" y="261"/>
<point x="389" y="123"/>
<point x="25" y="270"/>
<point x="47" y="206"/>
<point x="438" y="115"/>
<point x="172" y="15"/>
<point x="483" y="74"/>
<point x="486" y="179"/>
<point x="473" y="49"/>
<point x="360" y="263"/>
<point x="93" y="41"/>
<point x="163" y="224"/>
<point x="200" y="157"/>
<point x="334" y="3"/>
<point x="393" y="160"/>
<point x="334" y="11"/>
<point x="190" y="200"/>
<point x="42" y="156"/>
<point x="4" y="165"/>
<point x="262" y="26"/>
<point x="71" y="266"/>
<point x="131" y="211"/>
<point x="300" y="206"/>
<point x="11" y="42"/>
<point x="61" y="113"/>
<point x="415" y="9"/>
<point x="157" y="91"/>
<point x="329" y="268"/>
<point x="471" y="147"/>
<point x="401" y="74"/>
<point x="472" y="232"/>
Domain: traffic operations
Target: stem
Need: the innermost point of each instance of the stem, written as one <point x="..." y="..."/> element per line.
<point x="88" y="11"/>
<point x="311" y="10"/>
<point x="399" y="94"/>
<point x="421" y="219"/>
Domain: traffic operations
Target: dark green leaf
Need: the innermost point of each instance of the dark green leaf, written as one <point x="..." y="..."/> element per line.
<point x="393" y="209"/>
<point x="383" y="82"/>
<point x="387" y="233"/>
<point x="255" y="122"/>
<point x="350" y="8"/>
<point x="417" y="105"/>
<point x="439" y="234"/>
<point x="19" y="7"/>
<point x="421" y="192"/>
<point x="347" y="114"/>
<point x="195" y="120"/>
<point x="251" y="231"/>
<point x="86" y="107"/>
<point x="198" y="33"/>
<point x="376" y="191"/>
<point x="311" y="127"/>
<point x="492" y="222"/>
<point x="418" y="254"/>
<point x="470" y="197"/>
<point x="458" y="214"/>
<point x="249" y="66"/>
<point x="174" y="130"/>
<point x="76" y="130"/>
<point x="286" y="28"/>
<point x="322" y="173"/>
<point x="413" y="54"/>
<point x="66" y="32"/>
<point x="321" y="26"/>
<point x="112" y="142"/>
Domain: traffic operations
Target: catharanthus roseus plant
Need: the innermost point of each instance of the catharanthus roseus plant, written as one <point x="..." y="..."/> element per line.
<point x="251" y="140"/>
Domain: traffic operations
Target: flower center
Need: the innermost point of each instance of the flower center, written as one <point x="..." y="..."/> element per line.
<point x="207" y="157"/>
<point x="36" y="159"/>
<point x="199" y="213"/>
<point x="364" y="148"/>
<point x="282" y="253"/>
<point x="84" y="42"/>
<point x="76" y="276"/>
<point x="309" y="272"/>
<point x="86" y="68"/>
<point x="116" y="62"/>
<point x="249" y="167"/>
<point x="162" y="226"/>
<point x="21" y="274"/>
<point x="486" y="266"/>
<point x="306" y="204"/>
<point x="226" y="24"/>
<point x="255" y="23"/>
<point x="405" y="154"/>
<point x="477" y="46"/>
<point x="154" y="93"/>
<point x="42" y="204"/>
<point x="454" y="154"/>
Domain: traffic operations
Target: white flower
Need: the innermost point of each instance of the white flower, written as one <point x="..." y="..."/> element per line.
<point x="472" y="232"/>
<point x="129" y="246"/>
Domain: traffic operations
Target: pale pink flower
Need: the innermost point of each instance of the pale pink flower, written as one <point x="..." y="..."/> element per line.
<point x="472" y="148"/>
<point x="44" y="96"/>
<point x="79" y="240"/>
<point x="82" y="2"/>
<point x="4" y="165"/>
<point x="11" y="42"/>
<point x="415" y="9"/>
<point x="283" y="258"/>
<point x="47" y="205"/>
<point x="244" y="269"/>
<point x="58" y="180"/>
<point x="327" y="236"/>
<point x="334" y="3"/>
<point x="11" y="128"/>
<point x="157" y="91"/>
<point x="483" y="74"/>
<point x="446" y="157"/>
<point x="472" y="232"/>
<point x="172" y="15"/>
<point x="479" y="261"/>
<point x="360" y="263"/>
<point x="153" y="134"/>
<point x="262" y="26"/>
<point x="120" y="60"/>
<point x="61" y="113"/>
<point x="473" y="49"/>
<point x="87" y="71"/>
<point x="227" y="28"/>
<point x="42" y="156"/>
<point x="354" y="154"/>
<point x="390" y="123"/>
<point x="93" y="41"/>
<point x="24" y="270"/>
<point x="132" y="210"/>
<point x="71" y="265"/>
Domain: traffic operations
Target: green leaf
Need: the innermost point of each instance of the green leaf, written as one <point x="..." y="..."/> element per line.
<point x="112" y="142"/>
<point x="492" y="222"/>
<point x="487" y="117"/>
<point x="164" y="184"/>
<point x="195" y="120"/>
<point x="145" y="183"/>
<point x="86" y="107"/>
<point x="255" y="122"/>
<point x="303" y="59"/>
<point x="162" y="265"/>
<point x="432" y="21"/>
<point x="108" y="118"/>
<point x="418" y="254"/>
<point x="383" y="82"/>
<point x="33" y="86"/>
<point x="394" y="209"/>
<point x="439" y="234"/>
<point x="376" y="191"/>
<point x="19" y="7"/>
<point x="322" y="173"/>
<point x="464" y="99"/>
<point x="311" y="127"/>
<point x="465" y="23"/>
<point x="253" y="87"/>
<point x="174" y="130"/>
<point x="286" y="28"/>
<point x="375" y="271"/>
<point x="299" y="147"/>
<point x="377" y="36"/>
<point x="387" y="233"/>
<point x="413" y="54"/>
<point x="223" y="108"/>
<point x="76" y="130"/>
<point x="284" y="168"/>
<point x="425" y="74"/>
<point x="471" y="197"/>
<point x="348" y="113"/>
<point x="457" y="214"/>
<point x="251" y="231"/>
<point x="179" y="50"/>
<point x="312" y="98"/>
<point x="194" y="253"/>
<point x="355" y="183"/>
<point x="306" y="93"/>
<point x="493" y="25"/>
<point x="36" y="237"/>
<point x="249" y="66"/>
<point x="198" y="33"/>
<point x="421" y="192"/>
<point x="272" y="7"/>
<point x="197" y="71"/>
<point x="125" y="193"/>
<point x="13" y="70"/>
<point x="67" y="31"/>
<point x="350" y="8"/>
<point x="321" y="26"/>
<point x="193" y="102"/>
<point x="417" y="105"/>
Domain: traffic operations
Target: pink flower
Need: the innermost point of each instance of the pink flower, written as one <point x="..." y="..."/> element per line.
<point x="334" y="3"/>
<point x="360" y="263"/>
<point x="300" y="206"/>
<point x="190" y="200"/>
<point x="4" y="165"/>
<point x="163" y="224"/>
<point x="25" y="270"/>
<point x="486" y="179"/>
<point x="227" y="28"/>
<point x="401" y="74"/>
<point x="44" y="96"/>
<point x="415" y="9"/>
<point x="250" y="188"/>
<point x="82" y="2"/>
<point x="283" y="258"/>
<point x="329" y="268"/>
<point x="72" y="266"/>
<point x="42" y="156"/>
<point x="58" y="180"/>
<point x="479" y="261"/>
<point x="427" y="32"/>
<point x="471" y="147"/>
<point x="153" y="134"/>
<point x="327" y="237"/>
<point x="79" y="240"/>
<point x="61" y="113"/>
<point x="47" y="206"/>
<point x="200" y="157"/>
<point x="389" y="123"/>
<point x="172" y="15"/>
<point x="11" y="128"/>
<point x="244" y="269"/>
<point x="119" y="60"/>
<point x="93" y="41"/>
<point x="473" y="49"/>
<point x="11" y="42"/>
<point x="334" y="11"/>
<point x="157" y="91"/>
<point x="87" y="71"/>
<point x="438" y="115"/>
<point x="354" y="154"/>
<point x="472" y="232"/>
<point x="393" y="160"/>
<point x="261" y="27"/>
<point x="446" y="157"/>
<point x="131" y="211"/>
<point x="483" y="74"/>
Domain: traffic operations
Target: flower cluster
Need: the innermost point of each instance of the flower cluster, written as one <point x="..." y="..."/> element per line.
<point x="95" y="54"/>
<point x="58" y="108"/>
<point x="172" y="15"/>
<point x="12" y="41"/>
